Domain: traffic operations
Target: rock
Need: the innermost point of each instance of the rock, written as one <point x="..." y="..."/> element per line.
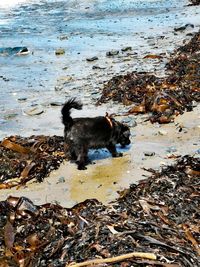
<point x="9" y="51"/>
<point x="112" y="53"/>
<point x="95" y="67"/>
<point x="149" y="154"/>
<point x="65" y="79"/>
<point x="182" y="28"/>
<point x="130" y="121"/>
<point x="162" y="132"/>
<point x="162" y="163"/>
<point x="4" y="78"/>
<point x="194" y="104"/>
<point x="63" y="37"/>
<point x="58" y="88"/>
<point x="198" y="151"/>
<point x="60" y="51"/>
<point x="56" y="104"/>
<point x="34" y="111"/>
<point x="91" y="59"/>
<point x="128" y="48"/>
<point x="61" y="180"/>
<point x="10" y="116"/>
<point x="22" y="99"/>
<point x="171" y="149"/>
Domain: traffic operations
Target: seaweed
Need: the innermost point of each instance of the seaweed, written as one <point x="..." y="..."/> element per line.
<point x="164" y="98"/>
<point x="154" y="223"/>
<point x="25" y="158"/>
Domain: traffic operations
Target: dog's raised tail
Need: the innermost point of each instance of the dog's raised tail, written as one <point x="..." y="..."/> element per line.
<point x="72" y="103"/>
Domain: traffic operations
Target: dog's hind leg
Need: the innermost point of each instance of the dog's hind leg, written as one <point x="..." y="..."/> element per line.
<point x="73" y="155"/>
<point x="82" y="158"/>
<point x="113" y="151"/>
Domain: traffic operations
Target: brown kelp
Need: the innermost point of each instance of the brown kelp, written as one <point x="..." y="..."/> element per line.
<point x="154" y="223"/>
<point x="25" y="158"/>
<point x="164" y="98"/>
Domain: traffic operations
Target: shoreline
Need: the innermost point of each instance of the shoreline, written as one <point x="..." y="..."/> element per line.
<point x="37" y="79"/>
<point x="138" y="210"/>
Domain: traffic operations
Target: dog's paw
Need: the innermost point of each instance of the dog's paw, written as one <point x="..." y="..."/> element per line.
<point x="88" y="161"/>
<point x="82" y="167"/>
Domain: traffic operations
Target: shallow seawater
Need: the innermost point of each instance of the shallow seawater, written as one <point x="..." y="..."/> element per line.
<point x="83" y="29"/>
<point x="86" y="29"/>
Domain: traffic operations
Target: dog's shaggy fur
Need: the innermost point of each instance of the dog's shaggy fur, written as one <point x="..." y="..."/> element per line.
<point x="81" y="134"/>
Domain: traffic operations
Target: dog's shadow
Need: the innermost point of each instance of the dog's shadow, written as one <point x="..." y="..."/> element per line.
<point x="103" y="153"/>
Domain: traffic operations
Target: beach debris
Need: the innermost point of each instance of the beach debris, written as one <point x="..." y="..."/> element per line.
<point x="10" y="116"/>
<point x="25" y="159"/>
<point x="182" y="28"/>
<point x="60" y="51"/>
<point x="127" y="48"/>
<point x="34" y="111"/>
<point x="63" y="37"/>
<point x="153" y="223"/>
<point x="22" y="99"/>
<point x="151" y="56"/>
<point x="92" y="59"/>
<point x="56" y="103"/>
<point x="112" y="53"/>
<point x="9" y="51"/>
<point x="163" y="97"/>
<point x="162" y="132"/>
<point x="149" y="154"/>
<point x="96" y="67"/>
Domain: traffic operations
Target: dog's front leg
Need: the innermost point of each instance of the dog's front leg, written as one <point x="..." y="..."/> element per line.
<point x="113" y="151"/>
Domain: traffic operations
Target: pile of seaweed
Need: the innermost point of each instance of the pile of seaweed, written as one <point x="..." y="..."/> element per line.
<point x="166" y="97"/>
<point x="25" y="158"/>
<point x="154" y="223"/>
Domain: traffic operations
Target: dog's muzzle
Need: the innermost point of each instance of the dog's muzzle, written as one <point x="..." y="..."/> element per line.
<point x="125" y="143"/>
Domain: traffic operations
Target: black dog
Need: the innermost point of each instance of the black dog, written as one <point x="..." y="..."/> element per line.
<point x="80" y="134"/>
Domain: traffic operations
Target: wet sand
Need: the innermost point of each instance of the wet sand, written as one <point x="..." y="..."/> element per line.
<point x="46" y="78"/>
<point x="152" y="146"/>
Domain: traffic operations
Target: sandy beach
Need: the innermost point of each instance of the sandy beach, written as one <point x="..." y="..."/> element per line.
<point x="43" y="80"/>
<point x="137" y="60"/>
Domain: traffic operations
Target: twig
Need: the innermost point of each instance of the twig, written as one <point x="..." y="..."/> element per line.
<point x="150" y="256"/>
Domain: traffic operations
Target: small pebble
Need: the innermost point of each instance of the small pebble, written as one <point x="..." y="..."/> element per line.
<point x="198" y="151"/>
<point x="171" y="149"/>
<point x="91" y="59"/>
<point x="21" y="99"/>
<point x="60" y="51"/>
<point x="112" y="53"/>
<point x="149" y="154"/>
<point x="61" y="180"/>
<point x="162" y="132"/>
<point x="56" y="104"/>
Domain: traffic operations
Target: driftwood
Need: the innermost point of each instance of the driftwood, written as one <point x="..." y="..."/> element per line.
<point x="150" y="256"/>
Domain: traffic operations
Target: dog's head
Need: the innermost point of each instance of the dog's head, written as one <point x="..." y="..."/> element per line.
<point x="124" y="136"/>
